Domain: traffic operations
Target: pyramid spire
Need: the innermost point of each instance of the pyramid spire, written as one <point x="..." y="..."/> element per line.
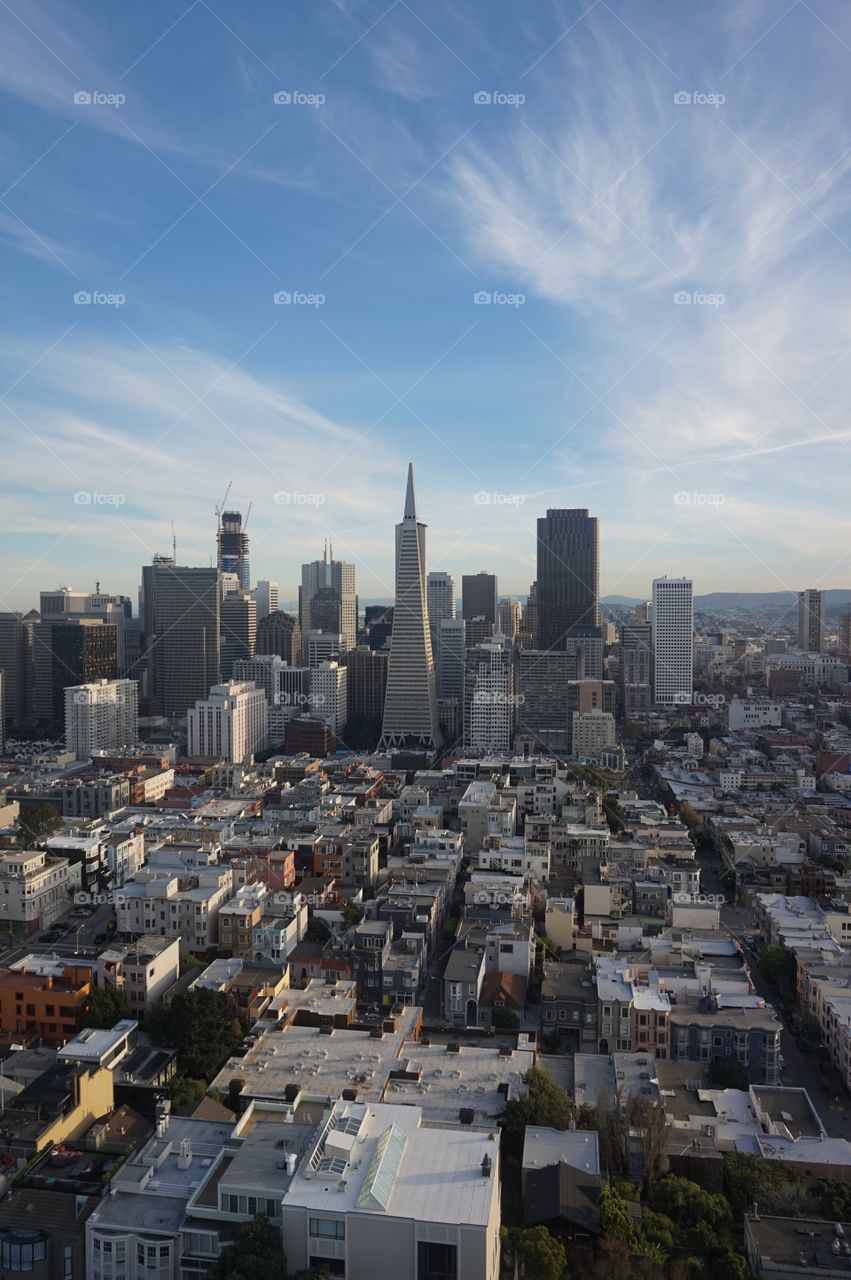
<point x="410" y="496"/>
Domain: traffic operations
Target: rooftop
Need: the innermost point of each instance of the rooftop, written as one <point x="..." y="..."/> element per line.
<point x="577" y="1147"/>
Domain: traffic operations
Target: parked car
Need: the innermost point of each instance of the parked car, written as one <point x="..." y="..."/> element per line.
<point x="804" y="1045"/>
<point x="101" y="938"/>
<point x="51" y="936"/>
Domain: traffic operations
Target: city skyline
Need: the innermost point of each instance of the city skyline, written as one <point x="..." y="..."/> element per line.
<point x="648" y="231"/>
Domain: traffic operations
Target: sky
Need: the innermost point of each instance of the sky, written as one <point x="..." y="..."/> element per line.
<point x="563" y="254"/>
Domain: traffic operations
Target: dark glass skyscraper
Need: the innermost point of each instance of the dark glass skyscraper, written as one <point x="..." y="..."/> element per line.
<point x="568" y="582"/>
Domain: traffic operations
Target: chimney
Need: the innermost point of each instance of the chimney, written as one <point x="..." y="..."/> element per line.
<point x="184" y="1158"/>
<point x="755" y="1211"/>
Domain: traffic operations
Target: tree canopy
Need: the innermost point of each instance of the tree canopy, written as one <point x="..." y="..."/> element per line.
<point x="541" y="1255"/>
<point x="727" y="1073"/>
<point x="256" y="1254"/>
<point x="39" y="823"/>
<point x="775" y="963"/>
<point x="105" y="1007"/>
<point x="543" y="1103"/>
<point x="201" y="1025"/>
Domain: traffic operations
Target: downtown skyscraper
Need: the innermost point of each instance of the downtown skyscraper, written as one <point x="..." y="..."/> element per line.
<point x="410" y="705"/>
<point x="329" y="576"/>
<point x="673" y="641"/>
<point x="568" y="581"/>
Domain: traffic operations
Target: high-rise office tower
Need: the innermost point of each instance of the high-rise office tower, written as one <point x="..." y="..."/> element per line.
<point x="147" y="615"/>
<point x="479" y="598"/>
<point x="186" y="650"/>
<point x="508" y="619"/>
<point x="101" y="716"/>
<point x="366" y="682"/>
<point x="636" y="665"/>
<point x="449" y="659"/>
<point x="12" y="664"/>
<point x="232" y="548"/>
<point x="328" y="695"/>
<point x="568" y="582"/>
<point x="673" y="641"/>
<point x="811" y="621"/>
<point x="238" y="630"/>
<point x="326" y="611"/>
<point x="280" y="633"/>
<point x="410" y="706"/>
<point x="230" y="724"/>
<point x="529" y="619"/>
<point x="339" y="576"/>
<point x="542" y="680"/>
<point x="489" y="696"/>
<point x="845" y="632"/>
<point x="81" y="651"/>
<point x="266" y="596"/>
<point x="584" y="697"/>
<point x="322" y="646"/>
<point x="441" y="600"/>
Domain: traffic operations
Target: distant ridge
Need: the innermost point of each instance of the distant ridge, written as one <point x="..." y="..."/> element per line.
<point x="769" y="601"/>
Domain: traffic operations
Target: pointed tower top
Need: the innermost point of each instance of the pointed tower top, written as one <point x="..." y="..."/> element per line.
<point x="410" y="496"/>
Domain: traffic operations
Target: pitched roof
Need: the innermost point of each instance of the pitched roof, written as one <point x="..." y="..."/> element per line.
<point x="504" y="989"/>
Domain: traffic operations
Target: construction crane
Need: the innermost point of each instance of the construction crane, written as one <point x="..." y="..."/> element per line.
<point x="219" y="510"/>
<point x="247" y="514"/>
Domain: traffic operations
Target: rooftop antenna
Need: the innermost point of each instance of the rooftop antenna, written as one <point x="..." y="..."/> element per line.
<point x="173" y="543"/>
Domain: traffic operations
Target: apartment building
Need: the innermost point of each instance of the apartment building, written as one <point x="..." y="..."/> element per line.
<point x="42" y="999"/>
<point x="144" y="970"/>
<point x="184" y="906"/>
<point x="33" y="889"/>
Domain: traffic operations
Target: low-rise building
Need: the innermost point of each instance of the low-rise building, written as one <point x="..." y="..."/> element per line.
<point x="143" y="970"/>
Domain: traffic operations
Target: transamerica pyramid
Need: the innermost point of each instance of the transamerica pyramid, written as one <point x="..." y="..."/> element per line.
<point x="410" y="705"/>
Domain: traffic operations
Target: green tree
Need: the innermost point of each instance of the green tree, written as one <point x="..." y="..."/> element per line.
<point x="727" y="1073"/>
<point x="542" y="1257"/>
<point x="186" y="1091"/>
<point x="352" y="914"/>
<point x="39" y="823"/>
<point x="543" y="1103"/>
<point x="834" y="1199"/>
<point x="703" y="1219"/>
<point x="256" y="1254"/>
<point x="689" y="816"/>
<point x="616" y="1221"/>
<point x="317" y="930"/>
<point x="105" y="1007"/>
<point x="657" y="1230"/>
<point x="505" y="1019"/>
<point x="201" y="1025"/>
<point x="776" y="964"/>
<point x="750" y="1178"/>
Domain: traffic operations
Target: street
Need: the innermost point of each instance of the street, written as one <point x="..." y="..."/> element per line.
<point x="800" y="1070"/>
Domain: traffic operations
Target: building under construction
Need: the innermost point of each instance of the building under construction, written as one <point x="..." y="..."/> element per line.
<point x="233" y="547"/>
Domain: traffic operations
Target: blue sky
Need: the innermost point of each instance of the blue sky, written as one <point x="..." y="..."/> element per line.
<point x="534" y="153"/>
